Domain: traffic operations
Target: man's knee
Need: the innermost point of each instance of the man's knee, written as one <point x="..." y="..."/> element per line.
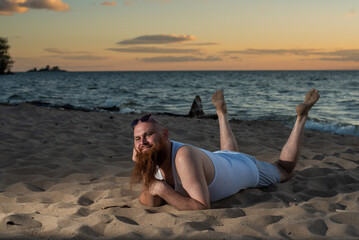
<point x="285" y="169"/>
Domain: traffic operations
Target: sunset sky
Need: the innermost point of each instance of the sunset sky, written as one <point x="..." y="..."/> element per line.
<point x="97" y="35"/>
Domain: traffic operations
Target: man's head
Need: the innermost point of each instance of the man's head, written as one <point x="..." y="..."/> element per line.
<point x="147" y="132"/>
<point x="151" y="147"/>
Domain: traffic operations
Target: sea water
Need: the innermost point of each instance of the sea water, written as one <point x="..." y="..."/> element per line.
<point x="250" y="95"/>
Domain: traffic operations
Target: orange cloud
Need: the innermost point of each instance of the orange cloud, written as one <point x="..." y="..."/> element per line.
<point x="155" y="50"/>
<point x="8" y="7"/>
<point x="157" y="39"/>
<point x="61" y="51"/>
<point x="106" y="3"/>
<point x="73" y="55"/>
<point x="352" y="13"/>
<point x="130" y="2"/>
<point x="181" y="59"/>
<point x="347" y="55"/>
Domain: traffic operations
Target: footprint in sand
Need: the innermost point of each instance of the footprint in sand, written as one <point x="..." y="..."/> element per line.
<point x="89" y="198"/>
<point x="18" y="222"/>
<point x="83" y="212"/>
<point x="85" y="201"/>
<point x="350" y="218"/>
<point x="126" y="220"/>
<point x="318" y="227"/>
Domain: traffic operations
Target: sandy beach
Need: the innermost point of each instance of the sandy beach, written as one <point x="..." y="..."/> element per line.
<point x="64" y="174"/>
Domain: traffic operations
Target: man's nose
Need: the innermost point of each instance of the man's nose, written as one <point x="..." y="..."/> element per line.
<point x="144" y="141"/>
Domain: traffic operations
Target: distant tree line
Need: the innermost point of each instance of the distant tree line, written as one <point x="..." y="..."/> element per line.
<point x="47" y="69"/>
<point x="6" y="62"/>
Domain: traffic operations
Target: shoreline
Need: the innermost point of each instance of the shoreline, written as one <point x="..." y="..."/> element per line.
<point x="332" y="128"/>
<point x="65" y="175"/>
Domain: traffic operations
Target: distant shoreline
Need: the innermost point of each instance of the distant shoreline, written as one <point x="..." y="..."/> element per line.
<point x="47" y="69"/>
<point x="339" y="70"/>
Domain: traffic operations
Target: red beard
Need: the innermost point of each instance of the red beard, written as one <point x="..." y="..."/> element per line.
<point x="146" y="163"/>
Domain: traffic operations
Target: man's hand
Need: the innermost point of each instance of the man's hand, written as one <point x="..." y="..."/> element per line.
<point x="134" y="155"/>
<point x="157" y="186"/>
<point x="150" y="199"/>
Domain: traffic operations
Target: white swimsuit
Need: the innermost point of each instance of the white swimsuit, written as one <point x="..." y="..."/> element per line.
<point x="233" y="171"/>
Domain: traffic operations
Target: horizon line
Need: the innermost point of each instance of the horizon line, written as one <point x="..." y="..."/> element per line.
<point x="223" y="70"/>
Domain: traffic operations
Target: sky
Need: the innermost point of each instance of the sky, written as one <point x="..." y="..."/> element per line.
<point x="141" y="35"/>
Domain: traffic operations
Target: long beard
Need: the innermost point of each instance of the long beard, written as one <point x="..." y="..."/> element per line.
<point x="147" y="163"/>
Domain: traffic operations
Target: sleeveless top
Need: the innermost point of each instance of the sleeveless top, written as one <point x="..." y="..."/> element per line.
<point x="233" y="171"/>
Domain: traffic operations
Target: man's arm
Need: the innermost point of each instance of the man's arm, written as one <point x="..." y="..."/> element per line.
<point x="146" y="198"/>
<point x="190" y="171"/>
<point x="162" y="189"/>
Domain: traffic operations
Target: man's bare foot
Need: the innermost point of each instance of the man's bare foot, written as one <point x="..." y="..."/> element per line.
<point x="310" y="99"/>
<point x="218" y="101"/>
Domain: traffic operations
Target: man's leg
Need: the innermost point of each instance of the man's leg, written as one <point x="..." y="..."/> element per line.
<point x="228" y="142"/>
<point x="290" y="153"/>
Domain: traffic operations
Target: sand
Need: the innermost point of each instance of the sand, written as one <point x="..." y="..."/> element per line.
<point x="64" y="174"/>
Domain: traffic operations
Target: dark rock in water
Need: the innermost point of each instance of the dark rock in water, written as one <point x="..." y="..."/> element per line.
<point x="196" y="109"/>
<point x="111" y="109"/>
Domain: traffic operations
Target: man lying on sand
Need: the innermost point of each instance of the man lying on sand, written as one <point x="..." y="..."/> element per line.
<point x="190" y="178"/>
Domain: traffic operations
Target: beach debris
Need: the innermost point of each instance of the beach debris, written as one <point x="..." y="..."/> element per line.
<point x="197" y="108"/>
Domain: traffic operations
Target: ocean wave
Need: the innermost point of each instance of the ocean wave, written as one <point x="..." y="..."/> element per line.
<point x="129" y="110"/>
<point x="342" y="129"/>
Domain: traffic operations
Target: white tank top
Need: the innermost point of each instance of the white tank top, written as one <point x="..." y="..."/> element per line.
<point x="233" y="171"/>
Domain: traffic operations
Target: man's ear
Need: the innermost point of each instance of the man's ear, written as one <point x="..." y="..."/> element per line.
<point x="166" y="134"/>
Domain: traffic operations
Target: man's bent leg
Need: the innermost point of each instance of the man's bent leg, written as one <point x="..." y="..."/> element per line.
<point x="290" y="153"/>
<point x="227" y="139"/>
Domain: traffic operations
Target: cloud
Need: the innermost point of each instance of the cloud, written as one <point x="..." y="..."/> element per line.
<point x="84" y="57"/>
<point x="8" y="7"/>
<point x="60" y="51"/>
<point x="56" y="5"/>
<point x="350" y="55"/>
<point x="130" y="2"/>
<point x="252" y="51"/>
<point x="337" y="55"/>
<point x="202" y="44"/>
<point x="73" y="55"/>
<point x="352" y="13"/>
<point x="157" y="39"/>
<point x="235" y="58"/>
<point x="106" y="3"/>
<point x="181" y="59"/>
<point x="155" y="50"/>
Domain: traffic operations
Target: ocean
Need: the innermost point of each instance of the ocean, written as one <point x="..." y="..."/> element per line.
<point x="250" y="95"/>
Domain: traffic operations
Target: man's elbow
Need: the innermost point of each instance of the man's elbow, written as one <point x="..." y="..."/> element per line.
<point x="204" y="206"/>
<point x="151" y="202"/>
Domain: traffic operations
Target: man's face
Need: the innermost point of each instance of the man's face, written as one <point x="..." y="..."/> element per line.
<point x="150" y="150"/>
<point x="146" y="135"/>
